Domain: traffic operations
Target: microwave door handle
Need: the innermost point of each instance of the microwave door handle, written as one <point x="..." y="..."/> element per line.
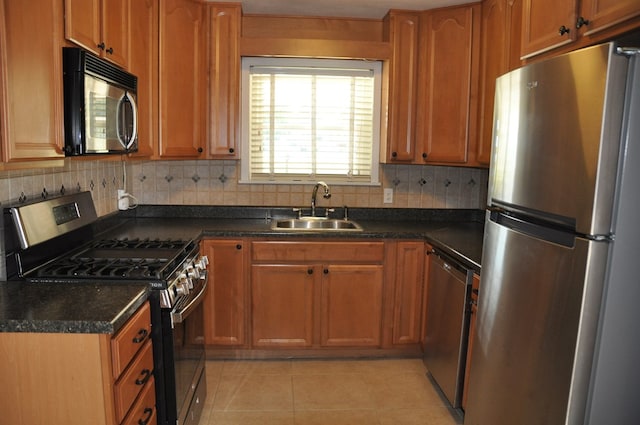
<point x="134" y="111"/>
<point x="120" y="121"/>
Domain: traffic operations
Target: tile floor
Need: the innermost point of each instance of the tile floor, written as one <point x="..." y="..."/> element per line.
<point x="323" y="392"/>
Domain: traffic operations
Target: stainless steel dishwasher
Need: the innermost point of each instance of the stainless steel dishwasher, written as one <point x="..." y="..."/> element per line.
<point x="448" y="311"/>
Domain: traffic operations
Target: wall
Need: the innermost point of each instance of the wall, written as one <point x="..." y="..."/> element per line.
<point x="216" y="183"/>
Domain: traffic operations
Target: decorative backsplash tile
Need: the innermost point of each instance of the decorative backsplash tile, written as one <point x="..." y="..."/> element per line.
<point x="205" y="182"/>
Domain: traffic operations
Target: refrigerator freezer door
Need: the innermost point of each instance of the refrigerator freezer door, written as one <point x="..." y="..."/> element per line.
<point x="557" y="136"/>
<point x="530" y="326"/>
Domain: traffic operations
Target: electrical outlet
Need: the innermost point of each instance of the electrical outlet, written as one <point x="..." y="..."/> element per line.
<point x="388" y="196"/>
<point x="123" y="200"/>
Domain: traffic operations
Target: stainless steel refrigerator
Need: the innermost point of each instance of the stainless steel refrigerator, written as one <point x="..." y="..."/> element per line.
<point x="558" y="328"/>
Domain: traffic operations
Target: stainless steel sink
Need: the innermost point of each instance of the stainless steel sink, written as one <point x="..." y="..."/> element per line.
<point x="316" y="224"/>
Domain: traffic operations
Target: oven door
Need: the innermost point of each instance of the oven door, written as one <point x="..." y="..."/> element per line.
<point x="189" y="354"/>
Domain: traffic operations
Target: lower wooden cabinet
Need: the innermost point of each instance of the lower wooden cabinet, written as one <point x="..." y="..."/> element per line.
<point x="408" y="286"/>
<point x="317" y="294"/>
<point x="225" y="314"/>
<point x="72" y="378"/>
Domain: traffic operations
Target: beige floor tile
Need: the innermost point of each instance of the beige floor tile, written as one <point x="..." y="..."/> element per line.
<point x="256" y="367"/>
<point x="254" y="393"/>
<point x="250" y="418"/>
<point x="327" y="367"/>
<point x="393" y="366"/>
<point x="336" y="417"/>
<point x="402" y="390"/>
<point x="431" y="416"/>
<point x="331" y="392"/>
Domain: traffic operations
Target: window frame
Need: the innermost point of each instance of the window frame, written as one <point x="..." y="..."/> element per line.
<point x="245" y="152"/>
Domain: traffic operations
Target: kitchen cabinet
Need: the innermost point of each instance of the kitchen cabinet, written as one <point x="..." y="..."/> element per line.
<point x="433" y="86"/>
<point x="448" y="85"/>
<point x="401" y="30"/>
<point x="550" y="24"/>
<point x="475" y="288"/>
<point x="100" y="379"/>
<point x="99" y="26"/>
<point x="316" y="294"/>
<point x="31" y="80"/>
<point x="499" y="53"/>
<point x="407" y="274"/>
<point x="224" y="80"/>
<point x="143" y="63"/>
<point x="225" y="313"/>
<point x="182" y="79"/>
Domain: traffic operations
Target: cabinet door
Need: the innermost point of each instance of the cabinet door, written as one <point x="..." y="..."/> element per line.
<point x="82" y="24"/>
<point x="143" y="60"/>
<point x="115" y="25"/>
<point x="407" y="303"/>
<point x="547" y="24"/>
<point x="403" y="86"/>
<point x="224" y="303"/>
<point x="351" y="305"/>
<point x="500" y="52"/>
<point x="182" y="79"/>
<point x="31" y="112"/>
<point x="224" y="77"/>
<point x="282" y="305"/>
<point x="449" y="44"/>
<point x="601" y="14"/>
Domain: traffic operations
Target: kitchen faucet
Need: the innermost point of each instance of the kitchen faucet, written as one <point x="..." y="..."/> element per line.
<point x="314" y="194"/>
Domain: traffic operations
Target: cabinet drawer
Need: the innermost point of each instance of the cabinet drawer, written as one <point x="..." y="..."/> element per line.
<point x="347" y="252"/>
<point x="143" y="411"/>
<point x="130" y="339"/>
<point x="127" y="388"/>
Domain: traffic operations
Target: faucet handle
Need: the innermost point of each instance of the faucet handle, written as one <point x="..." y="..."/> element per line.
<point x="327" y="211"/>
<point x="299" y="211"/>
<point x="346" y="213"/>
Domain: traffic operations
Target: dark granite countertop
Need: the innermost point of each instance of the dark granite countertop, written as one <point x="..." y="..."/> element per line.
<point x="68" y="308"/>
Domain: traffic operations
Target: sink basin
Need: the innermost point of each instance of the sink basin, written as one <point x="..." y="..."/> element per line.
<point x="316" y="224"/>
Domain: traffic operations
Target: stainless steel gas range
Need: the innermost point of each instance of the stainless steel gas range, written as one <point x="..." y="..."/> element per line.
<point x="56" y="241"/>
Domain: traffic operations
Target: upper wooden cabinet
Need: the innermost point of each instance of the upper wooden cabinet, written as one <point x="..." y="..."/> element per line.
<point x="499" y="53"/>
<point x="549" y="24"/>
<point x="401" y="30"/>
<point x="143" y="62"/>
<point x="449" y="45"/>
<point x="31" y="110"/>
<point x="224" y="80"/>
<point x="433" y="86"/>
<point x="99" y="26"/>
<point x="183" y="79"/>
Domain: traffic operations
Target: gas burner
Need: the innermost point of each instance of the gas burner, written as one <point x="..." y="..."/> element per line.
<point x="134" y="268"/>
<point x="139" y="243"/>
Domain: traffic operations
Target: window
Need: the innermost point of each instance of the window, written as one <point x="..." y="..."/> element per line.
<point x="306" y="120"/>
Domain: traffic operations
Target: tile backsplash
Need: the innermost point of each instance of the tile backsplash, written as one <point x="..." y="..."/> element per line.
<point x="202" y="182"/>
<point x="102" y="178"/>
<point x="205" y="182"/>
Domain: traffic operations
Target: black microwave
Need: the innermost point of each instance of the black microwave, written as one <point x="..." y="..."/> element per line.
<point x="100" y="110"/>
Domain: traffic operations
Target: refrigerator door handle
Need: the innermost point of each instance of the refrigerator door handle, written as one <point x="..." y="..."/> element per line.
<point x="533" y="229"/>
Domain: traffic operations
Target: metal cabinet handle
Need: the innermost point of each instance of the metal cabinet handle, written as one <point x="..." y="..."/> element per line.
<point x="149" y="412"/>
<point x="582" y="22"/>
<point x="140" y="336"/>
<point x="110" y="50"/>
<point x="145" y="374"/>
<point x="564" y="30"/>
<point x="101" y="46"/>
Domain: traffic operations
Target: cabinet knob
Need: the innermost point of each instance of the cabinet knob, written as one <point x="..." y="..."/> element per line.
<point x="394" y="154"/>
<point x="582" y="22"/>
<point x="424" y="155"/>
<point x="200" y="150"/>
<point x="101" y="46"/>
<point x="110" y="50"/>
<point x="231" y="150"/>
<point x="309" y="271"/>
<point x="325" y="271"/>
<point x="238" y="246"/>
<point x="564" y="30"/>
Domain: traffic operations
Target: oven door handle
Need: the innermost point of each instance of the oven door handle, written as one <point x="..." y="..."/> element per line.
<point x="178" y="316"/>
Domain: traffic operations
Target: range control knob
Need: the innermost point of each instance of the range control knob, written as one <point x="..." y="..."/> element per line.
<point x="193" y="272"/>
<point x="181" y="289"/>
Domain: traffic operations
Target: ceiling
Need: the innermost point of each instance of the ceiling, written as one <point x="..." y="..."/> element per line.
<point x="373" y="9"/>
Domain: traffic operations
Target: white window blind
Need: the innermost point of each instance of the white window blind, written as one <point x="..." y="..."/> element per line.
<point x="306" y="120"/>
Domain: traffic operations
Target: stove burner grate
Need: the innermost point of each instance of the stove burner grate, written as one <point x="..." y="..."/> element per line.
<point x="137" y="243"/>
<point x="130" y="268"/>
